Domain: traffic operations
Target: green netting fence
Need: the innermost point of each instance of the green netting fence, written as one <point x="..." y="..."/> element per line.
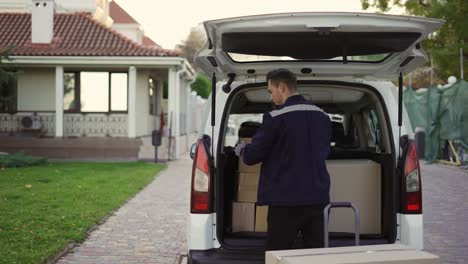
<point x="441" y="113"/>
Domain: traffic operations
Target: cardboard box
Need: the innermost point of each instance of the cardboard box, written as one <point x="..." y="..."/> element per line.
<point x="378" y="254"/>
<point x="243" y="217"/>
<point x="248" y="187"/>
<point x="249" y="178"/>
<point x="359" y="182"/>
<point x="244" y="167"/>
<point x="247" y="194"/>
<point x="246" y="140"/>
<point x="261" y="213"/>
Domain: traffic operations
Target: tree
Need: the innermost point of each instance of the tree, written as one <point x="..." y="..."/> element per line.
<point x="7" y="84"/>
<point x="194" y="42"/>
<point x="202" y="85"/>
<point x="421" y="78"/>
<point x="444" y="45"/>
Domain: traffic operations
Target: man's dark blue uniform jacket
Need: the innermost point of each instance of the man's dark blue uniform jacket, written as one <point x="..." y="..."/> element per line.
<point x="292" y="143"/>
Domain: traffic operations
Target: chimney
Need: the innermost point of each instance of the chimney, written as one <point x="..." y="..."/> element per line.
<point x="42" y="21"/>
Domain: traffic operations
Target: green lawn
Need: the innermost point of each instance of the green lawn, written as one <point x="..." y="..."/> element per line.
<point x="44" y="208"/>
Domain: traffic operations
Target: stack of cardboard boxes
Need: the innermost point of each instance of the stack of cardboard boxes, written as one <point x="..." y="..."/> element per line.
<point x="363" y="175"/>
<point x="246" y="215"/>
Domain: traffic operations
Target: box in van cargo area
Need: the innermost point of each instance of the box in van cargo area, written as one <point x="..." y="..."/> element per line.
<point x="378" y="254"/>
<point x="243" y="217"/>
<point x="248" y="186"/>
<point x="248" y="217"/>
<point x="366" y="178"/>
<point x="261" y="213"/>
<point x="244" y="167"/>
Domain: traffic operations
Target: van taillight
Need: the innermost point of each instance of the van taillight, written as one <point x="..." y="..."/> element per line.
<point x="412" y="194"/>
<point x="201" y="186"/>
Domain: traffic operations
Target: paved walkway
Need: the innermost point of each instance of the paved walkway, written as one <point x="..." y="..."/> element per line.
<point x="445" y="209"/>
<point x="150" y="228"/>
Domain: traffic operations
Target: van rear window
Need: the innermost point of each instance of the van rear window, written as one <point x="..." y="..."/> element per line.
<point x="315" y="46"/>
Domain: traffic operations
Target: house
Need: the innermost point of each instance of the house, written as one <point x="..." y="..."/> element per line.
<point x="90" y="84"/>
<point x="128" y="26"/>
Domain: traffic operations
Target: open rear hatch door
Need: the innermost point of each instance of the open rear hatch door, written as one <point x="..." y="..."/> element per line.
<point x="359" y="45"/>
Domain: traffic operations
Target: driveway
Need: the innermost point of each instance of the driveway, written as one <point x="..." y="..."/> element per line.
<point x="445" y="209"/>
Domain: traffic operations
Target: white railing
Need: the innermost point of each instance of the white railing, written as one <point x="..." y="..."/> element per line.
<point x="91" y="125"/>
<point x="96" y="125"/>
<point x="12" y="123"/>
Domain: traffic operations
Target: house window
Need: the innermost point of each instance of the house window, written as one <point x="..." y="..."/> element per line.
<point x="165" y="90"/>
<point x="95" y="92"/>
<point x="7" y="92"/>
<point x="119" y="84"/>
<point x="71" y="92"/>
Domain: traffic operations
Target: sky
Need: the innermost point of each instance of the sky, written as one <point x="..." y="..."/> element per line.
<point x="168" y="23"/>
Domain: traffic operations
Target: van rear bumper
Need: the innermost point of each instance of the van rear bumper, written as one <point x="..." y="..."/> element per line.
<point x="213" y="256"/>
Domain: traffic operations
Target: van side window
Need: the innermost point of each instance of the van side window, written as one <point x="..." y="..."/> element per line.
<point x="375" y="139"/>
<point x="344" y="133"/>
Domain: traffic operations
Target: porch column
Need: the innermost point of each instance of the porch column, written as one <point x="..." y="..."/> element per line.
<point x="173" y="111"/>
<point x="188" y="108"/>
<point x="178" y="117"/>
<point x="59" y="101"/>
<point x="132" y="101"/>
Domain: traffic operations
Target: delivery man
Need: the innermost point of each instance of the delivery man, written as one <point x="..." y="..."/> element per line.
<point x="292" y="143"/>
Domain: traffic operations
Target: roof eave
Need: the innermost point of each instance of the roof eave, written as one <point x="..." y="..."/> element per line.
<point x="111" y="61"/>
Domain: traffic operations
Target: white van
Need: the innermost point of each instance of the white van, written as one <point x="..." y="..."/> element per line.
<point x="344" y="63"/>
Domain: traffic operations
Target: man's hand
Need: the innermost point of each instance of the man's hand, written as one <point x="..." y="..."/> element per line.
<point x="239" y="148"/>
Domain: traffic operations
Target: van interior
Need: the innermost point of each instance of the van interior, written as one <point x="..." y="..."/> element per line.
<point x="361" y="166"/>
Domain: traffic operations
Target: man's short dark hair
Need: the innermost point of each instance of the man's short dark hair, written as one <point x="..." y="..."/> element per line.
<point x="282" y="75"/>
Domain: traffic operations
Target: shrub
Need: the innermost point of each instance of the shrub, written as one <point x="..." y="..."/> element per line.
<point x="20" y="160"/>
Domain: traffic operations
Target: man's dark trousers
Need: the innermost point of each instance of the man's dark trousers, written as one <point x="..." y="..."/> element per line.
<point x="284" y="222"/>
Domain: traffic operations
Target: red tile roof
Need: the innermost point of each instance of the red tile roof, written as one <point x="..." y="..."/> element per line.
<point x="119" y="15"/>
<point x="76" y="34"/>
<point x="148" y="42"/>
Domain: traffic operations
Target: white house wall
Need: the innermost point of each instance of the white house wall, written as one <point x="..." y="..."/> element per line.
<point x="131" y="31"/>
<point x="183" y="107"/>
<point x="142" y="104"/>
<point x="36" y="90"/>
